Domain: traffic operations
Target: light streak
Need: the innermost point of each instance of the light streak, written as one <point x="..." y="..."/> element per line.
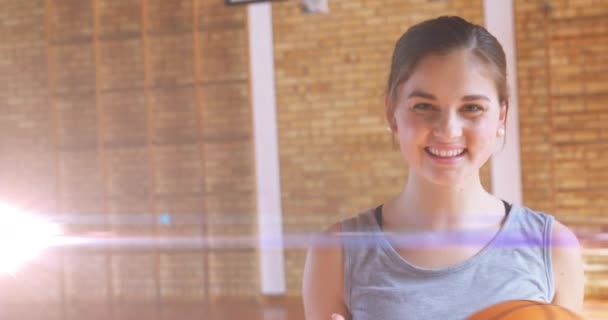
<point x="23" y="236"/>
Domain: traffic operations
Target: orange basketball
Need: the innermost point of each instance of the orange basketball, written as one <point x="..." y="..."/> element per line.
<point x="524" y="310"/>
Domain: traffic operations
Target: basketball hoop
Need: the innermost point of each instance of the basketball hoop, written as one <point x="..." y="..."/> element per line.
<point x="315" y="6"/>
<point x="308" y="6"/>
<point x="240" y="2"/>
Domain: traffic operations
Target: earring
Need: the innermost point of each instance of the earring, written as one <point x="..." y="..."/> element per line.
<point x="389" y="129"/>
<point x="501" y="132"/>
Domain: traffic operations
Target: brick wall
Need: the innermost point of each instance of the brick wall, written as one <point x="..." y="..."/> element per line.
<point x="563" y="89"/>
<point x="115" y="113"/>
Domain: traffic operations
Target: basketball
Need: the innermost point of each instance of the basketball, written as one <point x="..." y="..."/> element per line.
<point x="524" y="310"/>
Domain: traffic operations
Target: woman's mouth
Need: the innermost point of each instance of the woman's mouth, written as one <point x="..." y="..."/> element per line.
<point x="447" y="154"/>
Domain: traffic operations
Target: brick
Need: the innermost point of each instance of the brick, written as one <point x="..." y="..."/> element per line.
<point x="133" y="278"/>
<point x="187" y="220"/>
<point x="225" y="111"/>
<point x="131" y="217"/>
<point x="170" y="60"/>
<point x="121" y="64"/>
<point x="229" y="276"/>
<point x="233" y="226"/>
<point x="77" y="123"/>
<point x="226" y="160"/>
<point x="186" y="209"/>
<point x="124" y="118"/>
<point x="74" y="68"/>
<point x="216" y="15"/>
<point x="169" y="16"/>
<point x="127" y="172"/>
<point x="71" y="20"/>
<point x="224" y="55"/>
<point x="175" y="115"/>
<point x="22" y="22"/>
<point x="23" y="68"/>
<point x="86" y="278"/>
<point x="28" y="179"/>
<point x="80" y="173"/>
<point x="177" y="169"/>
<point x="25" y="123"/>
<point x="119" y="18"/>
<point x="182" y="277"/>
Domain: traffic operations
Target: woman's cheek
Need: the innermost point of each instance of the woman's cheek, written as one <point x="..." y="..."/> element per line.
<point x="483" y="139"/>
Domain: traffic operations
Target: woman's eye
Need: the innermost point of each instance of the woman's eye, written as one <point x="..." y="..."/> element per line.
<point x="422" y="106"/>
<point x="472" y="108"/>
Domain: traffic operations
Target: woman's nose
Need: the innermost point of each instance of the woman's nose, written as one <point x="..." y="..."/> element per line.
<point x="447" y="126"/>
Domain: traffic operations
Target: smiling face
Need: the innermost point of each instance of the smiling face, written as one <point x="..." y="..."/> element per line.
<point x="447" y="117"/>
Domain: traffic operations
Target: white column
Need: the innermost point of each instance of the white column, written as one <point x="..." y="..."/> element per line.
<point x="506" y="167"/>
<point x="261" y="61"/>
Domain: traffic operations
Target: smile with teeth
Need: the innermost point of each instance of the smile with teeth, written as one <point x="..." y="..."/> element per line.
<point x="445" y="153"/>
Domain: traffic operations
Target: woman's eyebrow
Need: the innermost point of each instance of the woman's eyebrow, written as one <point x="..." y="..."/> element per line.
<point x="473" y="97"/>
<point x="421" y="94"/>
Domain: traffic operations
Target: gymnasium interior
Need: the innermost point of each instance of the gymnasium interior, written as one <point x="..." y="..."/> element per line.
<point x="173" y="159"/>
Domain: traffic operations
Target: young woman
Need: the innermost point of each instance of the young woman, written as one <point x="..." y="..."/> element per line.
<point x="444" y="247"/>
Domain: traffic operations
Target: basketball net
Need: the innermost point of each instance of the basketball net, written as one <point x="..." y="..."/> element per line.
<point x="315" y="6"/>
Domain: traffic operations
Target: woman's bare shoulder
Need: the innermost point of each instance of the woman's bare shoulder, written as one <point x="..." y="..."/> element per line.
<point x="567" y="265"/>
<point x="323" y="282"/>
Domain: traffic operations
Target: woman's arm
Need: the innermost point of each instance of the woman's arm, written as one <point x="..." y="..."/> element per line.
<point x="323" y="282"/>
<point x="568" y="274"/>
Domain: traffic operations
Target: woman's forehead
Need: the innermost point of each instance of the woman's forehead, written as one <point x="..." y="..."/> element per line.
<point x="458" y="72"/>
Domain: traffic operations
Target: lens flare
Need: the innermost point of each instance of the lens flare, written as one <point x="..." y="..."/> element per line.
<point x="23" y="236"/>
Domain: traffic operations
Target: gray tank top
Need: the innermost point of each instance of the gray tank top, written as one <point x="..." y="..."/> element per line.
<point x="380" y="284"/>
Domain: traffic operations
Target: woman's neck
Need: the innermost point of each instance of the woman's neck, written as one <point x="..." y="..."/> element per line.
<point x="423" y="205"/>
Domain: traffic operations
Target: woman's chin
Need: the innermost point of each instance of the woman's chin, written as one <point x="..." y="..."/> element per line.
<point x="451" y="179"/>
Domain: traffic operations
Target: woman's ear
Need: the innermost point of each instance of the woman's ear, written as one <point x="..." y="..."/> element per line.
<point x="389" y="114"/>
<point x="504" y="110"/>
